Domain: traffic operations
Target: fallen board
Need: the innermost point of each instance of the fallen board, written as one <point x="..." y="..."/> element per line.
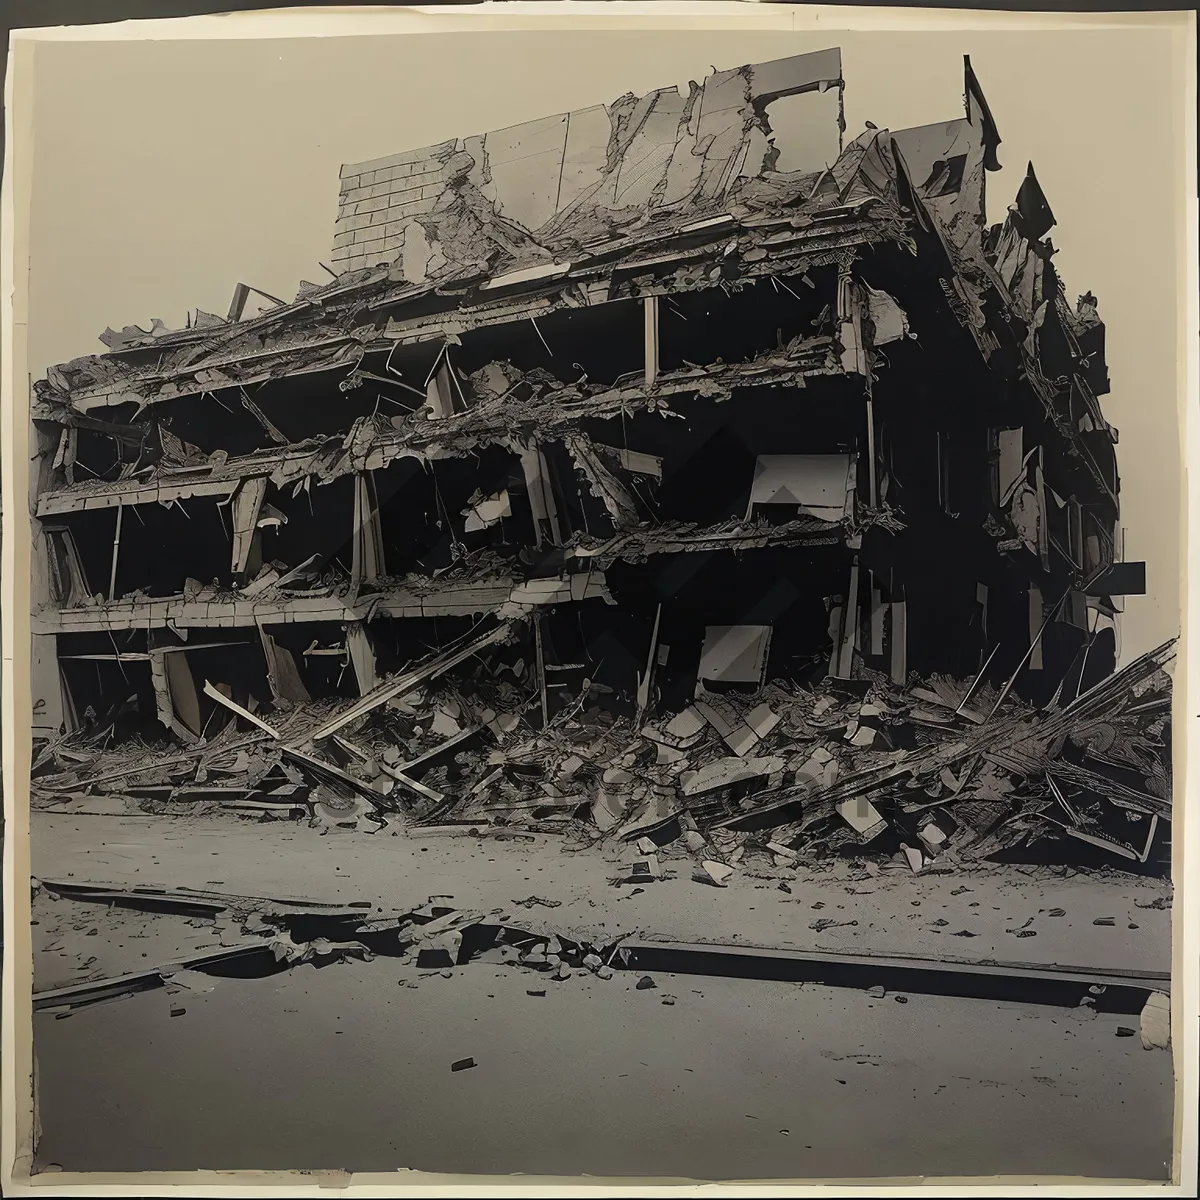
<point x="1117" y="991"/>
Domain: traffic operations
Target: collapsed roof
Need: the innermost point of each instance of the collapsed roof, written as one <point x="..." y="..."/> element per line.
<point x="667" y="193"/>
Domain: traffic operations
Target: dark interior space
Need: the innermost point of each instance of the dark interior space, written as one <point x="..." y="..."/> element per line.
<point x="320" y="521"/>
<point x="238" y="666"/>
<point x="407" y="365"/>
<point x="424" y="508"/>
<point x="114" y="690"/>
<point x="302" y="406"/>
<point x="213" y="421"/>
<point x="116" y="695"/>
<point x="786" y="589"/>
<point x="488" y="470"/>
<point x="758" y="317"/>
<point x="708" y="459"/>
<point x="401" y="643"/>
<point x="162" y="546"/>
<point x="601" y="343"/>
<point x="945" y="630"/>
<point x="99" y="456"/>
<point x="324" y="675"/>
<point x="411" y="519"/>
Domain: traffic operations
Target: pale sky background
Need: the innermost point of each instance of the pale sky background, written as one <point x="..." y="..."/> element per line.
<point x="165" y="172"/>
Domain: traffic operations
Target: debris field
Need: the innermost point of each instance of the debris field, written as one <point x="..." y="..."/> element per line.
<point x="675" y="484"/>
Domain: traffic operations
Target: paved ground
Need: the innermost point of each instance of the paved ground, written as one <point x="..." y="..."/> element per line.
<point x="836" y="908"/>
<point x="347" y="1068"/>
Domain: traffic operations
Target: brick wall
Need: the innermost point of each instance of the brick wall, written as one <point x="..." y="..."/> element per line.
<point x="377" y="200"/>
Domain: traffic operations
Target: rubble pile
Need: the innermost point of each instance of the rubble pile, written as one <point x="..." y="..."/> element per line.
<point x="937" y="774"/>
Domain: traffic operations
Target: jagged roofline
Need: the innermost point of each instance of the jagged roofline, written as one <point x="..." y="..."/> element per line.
<point x="216" y="326"/>
<point x="991" y="135"/>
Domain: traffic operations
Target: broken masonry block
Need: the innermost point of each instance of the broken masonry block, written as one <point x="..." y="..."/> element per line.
<point x="877" y="992"/>
<point x="714" y="872"/>
<point x="862" y="816"/>
<point x="646" y="871"/>
<point x="1156" y="1022"/>
<point x="612" y="798"/>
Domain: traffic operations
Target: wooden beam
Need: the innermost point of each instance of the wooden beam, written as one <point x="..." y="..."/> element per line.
<point x="406" y="681"/>
<point x="234" y="707"/>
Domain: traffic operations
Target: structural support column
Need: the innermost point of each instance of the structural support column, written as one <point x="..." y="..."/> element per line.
<point x="362" y="657"/>
<point x="367" y="545"/>
<point x="541" y="667"/>
<point x="112" y="575"/>
<point x="541" y="496"/>
<point x="650" y="309"/>
<point x="247" y="503"/>
<point x="856" y="360"/>
<point x="878" y="614"/>
<point x="899" y="642"/>
<point x="849" y="639"/>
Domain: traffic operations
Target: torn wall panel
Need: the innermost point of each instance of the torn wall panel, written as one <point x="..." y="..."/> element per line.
<point x="45" y="686"/>
<point x="247" y="503"/>
<point x="818" y="485"/>
<point x="574" y="177"/>
<point x="735" y="654"/>
<point x="283" y="676"/>
<point x="603" y="484"/>
<point x="181" y="687"/>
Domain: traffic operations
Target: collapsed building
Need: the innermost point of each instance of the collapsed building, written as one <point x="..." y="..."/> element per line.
<point x="669" y="466"/>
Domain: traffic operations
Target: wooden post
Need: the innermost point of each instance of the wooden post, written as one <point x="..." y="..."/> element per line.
<point x="112" y="575"/>
<point x="650" y="308"/>
<point x="541" y="667"/>
<point x="899" y="642"/>
<point x="849" y="627"/>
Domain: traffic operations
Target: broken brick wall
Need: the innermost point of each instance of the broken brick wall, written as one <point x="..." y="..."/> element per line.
<point x="530" y="191"/>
